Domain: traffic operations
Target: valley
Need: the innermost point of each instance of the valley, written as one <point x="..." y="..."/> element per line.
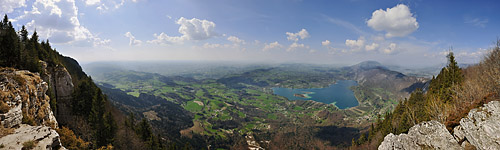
<point x="227" y="111"/>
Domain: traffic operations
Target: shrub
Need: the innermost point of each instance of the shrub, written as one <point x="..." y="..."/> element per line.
<point x="20" y="80"/>
<point x="4" y="108"/>
<point x="28" y="145"/>
<point x="69" y="139"/>
<point x="28" y="120"/>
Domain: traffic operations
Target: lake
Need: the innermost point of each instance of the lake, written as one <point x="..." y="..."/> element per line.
<point x="338" y="94"/>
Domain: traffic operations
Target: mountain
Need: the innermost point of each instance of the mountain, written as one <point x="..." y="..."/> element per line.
<point x="366" y="65"/>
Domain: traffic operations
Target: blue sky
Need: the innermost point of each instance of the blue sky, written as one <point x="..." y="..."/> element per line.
<point x="409" y="33"/>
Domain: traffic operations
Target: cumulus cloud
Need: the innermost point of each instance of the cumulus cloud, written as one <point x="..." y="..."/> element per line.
<point x="196" y="29"/>
<point x="133" y="41"/>
<point x="272" y="45"/>
<point x="235" y="40"/>
<point x="191" y="29"/>
<point x="371" y="47"/>
<point x="58" y="21"/>
<point x="7" y="6"/>
<point x="397" y="21"/>
<point x="355" y="45"/>
<point x="390" y="49"/>
<point x="302" y="34"/>
<point x="325" y="43"/>
<point x="295" y="46"/>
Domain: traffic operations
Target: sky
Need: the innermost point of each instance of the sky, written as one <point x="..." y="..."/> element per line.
<point x="394" y="32"/>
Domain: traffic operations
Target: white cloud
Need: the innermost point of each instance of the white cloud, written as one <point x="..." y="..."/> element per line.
<point x="390" y="49"/>
<point x="92" y="2"/>
<point x="235" y="40"/>
<point x="196" y="29"/>
<point x="105" y="5"/>
<point x="302" y="34"/>
<point x="325" y="43"/>
<point x="191" y="29"/>
<point x="58" y="21"/>
<point x="102" y="8"/>
<point x="355" y="45"/>
<point x="397" y="21"/>
<point x="371" y="47"/>
<point x="133" y="41"/>
<point x="295" y="46"/>
<point x="163" y="38"/>
<point x="272" y="45"/>
<point x="7" y="6"/>
<point x="330" y="49"/>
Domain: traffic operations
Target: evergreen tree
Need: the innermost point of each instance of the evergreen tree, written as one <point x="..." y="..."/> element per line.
<point x="448" y="77"/>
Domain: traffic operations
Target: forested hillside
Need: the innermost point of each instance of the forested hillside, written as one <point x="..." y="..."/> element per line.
<point x="86" y="119"/>
<point x="451" y="95"/>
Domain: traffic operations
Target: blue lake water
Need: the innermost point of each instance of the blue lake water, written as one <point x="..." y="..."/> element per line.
<point x="338" y="94"/>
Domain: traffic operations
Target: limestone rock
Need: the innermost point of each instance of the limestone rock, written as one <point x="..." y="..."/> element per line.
<point x="426" y="135"/>
<point x="62" y="85"/>
<point x="479" y="130"/>
<point x="43" y="137"/>
<point x="24" y="94"/>
<point x="12" y="118"/>
<point x="481" y="127"/>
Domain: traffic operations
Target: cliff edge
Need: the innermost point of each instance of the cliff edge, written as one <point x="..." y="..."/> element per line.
<point x="26" y="118"/>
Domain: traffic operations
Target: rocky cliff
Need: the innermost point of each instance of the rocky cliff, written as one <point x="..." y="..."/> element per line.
<point x="25" y="114"/>
<point x="479" y="130"/>
<point x="62" y="85"/>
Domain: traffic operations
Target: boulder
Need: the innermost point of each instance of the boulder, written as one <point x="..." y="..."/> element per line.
<point x="481" y="127"/>
<point x="426" y="135"/>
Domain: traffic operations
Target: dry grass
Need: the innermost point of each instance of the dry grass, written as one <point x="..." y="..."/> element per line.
<point x="5" y="131"/>
<point x="4" y="108"/>
<point x="29" y="145"/>
<point x="70" y="141"/>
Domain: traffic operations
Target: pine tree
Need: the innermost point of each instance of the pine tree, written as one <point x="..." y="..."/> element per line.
<point x="448" y="77"/>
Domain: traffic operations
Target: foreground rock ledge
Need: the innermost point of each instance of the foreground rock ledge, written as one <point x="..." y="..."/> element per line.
<point x="43" y="137"/>
<point x="480" y="129"/>
<point x="431" y="134"/>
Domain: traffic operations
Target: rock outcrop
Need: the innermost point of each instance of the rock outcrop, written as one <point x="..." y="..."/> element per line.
<point x="431" y="134"/>
<point x="479" y="130"/>
<point x="42" y="137"/>
<point x="23" y="101"/>
<point x="62" y="85"/>
<point x="25" y="90"/>
<point x="481" y="127"/>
